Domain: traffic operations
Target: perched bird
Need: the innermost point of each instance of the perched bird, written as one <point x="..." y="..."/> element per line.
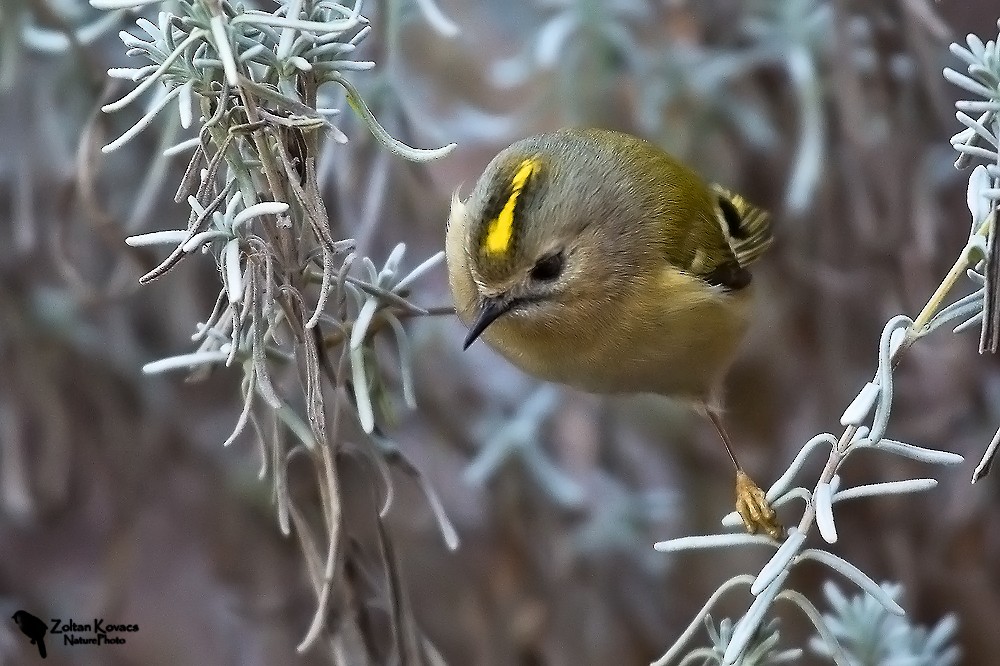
<point x="594" y="259"/>
<point x="32" y="627"/>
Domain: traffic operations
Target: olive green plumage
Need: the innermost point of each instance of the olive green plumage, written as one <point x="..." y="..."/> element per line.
<point x="594" y="259"/>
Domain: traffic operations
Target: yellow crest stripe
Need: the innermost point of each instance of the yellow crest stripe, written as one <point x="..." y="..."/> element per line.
<point x="501" y="230"/>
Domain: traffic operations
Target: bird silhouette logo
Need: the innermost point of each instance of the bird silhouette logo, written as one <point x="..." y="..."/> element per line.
<point x="32" y="627"/>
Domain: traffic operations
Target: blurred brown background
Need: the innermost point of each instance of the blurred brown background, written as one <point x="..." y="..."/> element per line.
<point x="118" y="501"/>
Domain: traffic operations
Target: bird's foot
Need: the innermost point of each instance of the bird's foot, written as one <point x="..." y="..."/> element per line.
<point x="757" y="514"/>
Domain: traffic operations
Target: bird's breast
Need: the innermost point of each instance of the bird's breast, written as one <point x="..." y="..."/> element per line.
<point x="677" y="342"/>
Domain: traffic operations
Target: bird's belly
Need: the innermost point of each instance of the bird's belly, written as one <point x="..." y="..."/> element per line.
<point x="655" y="356"/>
<point x="681" y="370"/>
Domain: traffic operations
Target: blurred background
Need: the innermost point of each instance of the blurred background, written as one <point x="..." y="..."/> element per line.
<point x="117" y="499"/>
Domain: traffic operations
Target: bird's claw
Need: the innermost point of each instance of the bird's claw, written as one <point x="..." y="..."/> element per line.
<point x="752" y="505"/>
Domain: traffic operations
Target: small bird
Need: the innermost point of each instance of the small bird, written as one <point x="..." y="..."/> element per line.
<point x="32" y="627"/>
<point x="594" y="259"/>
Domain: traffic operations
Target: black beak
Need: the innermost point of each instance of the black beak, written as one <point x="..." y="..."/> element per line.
<point x="491" y="309"/>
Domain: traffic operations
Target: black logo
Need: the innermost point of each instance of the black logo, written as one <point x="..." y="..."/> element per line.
<point x="98" y="632"/>
<point x="33" y="628"/>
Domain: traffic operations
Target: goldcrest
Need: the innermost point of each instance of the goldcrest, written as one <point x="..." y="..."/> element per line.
<point x="594" y="259"/>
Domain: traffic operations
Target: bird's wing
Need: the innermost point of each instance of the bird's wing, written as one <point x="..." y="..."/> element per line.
<point x="707" y="253"/>
<point x="747" y="227"/>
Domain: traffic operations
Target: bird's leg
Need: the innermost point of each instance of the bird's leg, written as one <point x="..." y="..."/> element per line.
<point x="751" y="503"/>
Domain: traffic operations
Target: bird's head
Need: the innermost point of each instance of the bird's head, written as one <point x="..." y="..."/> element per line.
<point x="536" y="242"/>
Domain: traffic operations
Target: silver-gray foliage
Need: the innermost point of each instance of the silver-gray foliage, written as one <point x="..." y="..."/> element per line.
<point x="866" y="420"/>
<point x="298" y="311"/>
<point x="872" y="637"/>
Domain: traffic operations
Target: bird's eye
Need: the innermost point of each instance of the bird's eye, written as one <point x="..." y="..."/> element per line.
<point x="548" y="268"/>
